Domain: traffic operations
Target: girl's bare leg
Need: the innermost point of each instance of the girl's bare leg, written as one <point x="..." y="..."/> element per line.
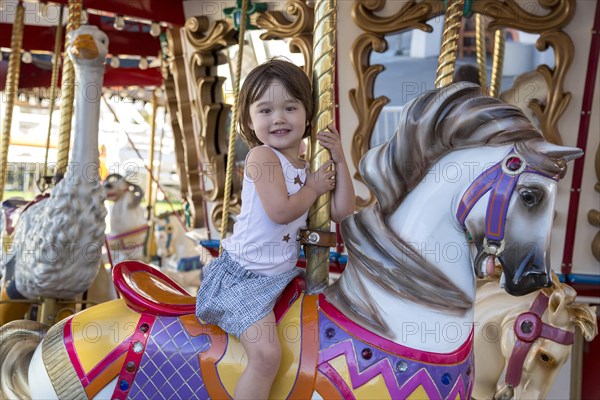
<point x="264" y="354"/>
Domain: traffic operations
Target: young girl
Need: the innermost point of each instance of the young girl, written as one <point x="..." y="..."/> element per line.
<point x="241" y="286"/>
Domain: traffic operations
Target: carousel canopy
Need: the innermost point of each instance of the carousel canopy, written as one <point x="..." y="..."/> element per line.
<point x="133" y="28"/>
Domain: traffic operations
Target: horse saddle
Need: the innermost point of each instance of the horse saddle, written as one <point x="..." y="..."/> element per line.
<point x="147" y="290"/>
<point x="14" y="207"/>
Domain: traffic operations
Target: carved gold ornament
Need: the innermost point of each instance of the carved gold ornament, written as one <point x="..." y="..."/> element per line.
<point x="556" y="14"/>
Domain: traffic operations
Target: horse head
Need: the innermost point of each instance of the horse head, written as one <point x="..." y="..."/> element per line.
<point x="117" y="187"/>
<point x="483" y="162"/>
<point x="536" y="341"/>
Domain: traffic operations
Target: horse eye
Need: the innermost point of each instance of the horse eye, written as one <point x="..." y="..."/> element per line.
<point x="546" y="359"/>
<point x="531" y="196"/>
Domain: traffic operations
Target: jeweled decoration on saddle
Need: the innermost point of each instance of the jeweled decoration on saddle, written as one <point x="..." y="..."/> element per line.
<point x="362" y="364"/>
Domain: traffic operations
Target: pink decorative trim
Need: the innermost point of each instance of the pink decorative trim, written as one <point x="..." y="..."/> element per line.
<point x="109" y="359"/>
<point x="339" y="383"/>
<point x="142" y="304"/>
<point x="375" y="340"/>
<point x="459" y="389"/>
<point x="70" y="347"/>
<point x="139" y="338"/>
<point x="128" y="233"/>
<point x="101" y="366"/>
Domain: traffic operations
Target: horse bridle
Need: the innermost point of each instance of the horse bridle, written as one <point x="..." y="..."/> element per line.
<point x="501" y="179"/>
<point x="528" y="327"/>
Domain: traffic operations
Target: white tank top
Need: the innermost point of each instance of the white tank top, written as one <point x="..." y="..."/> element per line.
<point x="259" y="244"/>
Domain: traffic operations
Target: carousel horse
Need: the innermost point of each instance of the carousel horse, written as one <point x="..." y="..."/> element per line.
<point x="462" y="168"/>
<point x="56" y="243"/>
<point x="180" y="257"/>
<point x="128" y="224"/>
<point x="528" y="337"/>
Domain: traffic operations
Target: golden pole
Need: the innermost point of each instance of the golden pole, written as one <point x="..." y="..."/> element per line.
<point x="323" y="79"/>
<point x="150" y="243"/>
<point x="12" y="84"/>
<point x="497" y="63"/>
<point x="480" y="46"/>
<point x="450" y="37"/>
<point x="232" y="126"/>
<point x="67" y="95"/>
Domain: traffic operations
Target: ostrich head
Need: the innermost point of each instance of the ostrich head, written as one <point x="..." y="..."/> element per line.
<point x="87" y="45"/>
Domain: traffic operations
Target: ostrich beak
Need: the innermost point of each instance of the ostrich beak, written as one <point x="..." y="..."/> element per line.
<point x="84" y="46"/>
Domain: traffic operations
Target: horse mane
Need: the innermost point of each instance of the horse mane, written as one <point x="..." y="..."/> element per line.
<point x="432" y="125"/>
<point x="581" y="315"/>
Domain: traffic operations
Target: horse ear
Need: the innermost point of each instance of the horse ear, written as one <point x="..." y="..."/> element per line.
<point x="556" y="308"/>
<point x="555" y="151"/>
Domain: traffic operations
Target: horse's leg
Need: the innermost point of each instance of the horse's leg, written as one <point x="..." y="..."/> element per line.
<point x="262" y="346"/>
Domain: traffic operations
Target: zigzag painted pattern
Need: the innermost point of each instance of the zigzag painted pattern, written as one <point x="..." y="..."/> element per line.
<point x="383" y="367"/>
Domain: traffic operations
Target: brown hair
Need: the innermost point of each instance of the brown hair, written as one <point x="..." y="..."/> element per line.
<point x="293" y="79"/>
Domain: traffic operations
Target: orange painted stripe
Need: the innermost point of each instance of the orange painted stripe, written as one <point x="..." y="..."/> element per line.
<point x="209" y="358"/>
<point x="104" y="378"/>
<point x="309" y="352"/>
<point x="326" y="388"/>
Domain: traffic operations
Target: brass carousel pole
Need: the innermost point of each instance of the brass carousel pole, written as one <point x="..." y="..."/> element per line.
<point x="450" y="37"/>
<point x="150" y="242"/>
<point x="498" y="63"/>
<point x="12" y="84"/>
<point x="480" y="48"/>
<point x="317" y="258"/>
<point x="67" y="96"/>
<point x="232" y="127"/>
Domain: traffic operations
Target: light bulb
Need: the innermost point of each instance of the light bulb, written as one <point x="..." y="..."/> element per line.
<point x="143" y="63"/>
<point x="27" y="58"/>
<point x="42" y="10"/>
<point x="155" y="29"/>
<point x="114" y="62"/>
<point x="119" y="23"/>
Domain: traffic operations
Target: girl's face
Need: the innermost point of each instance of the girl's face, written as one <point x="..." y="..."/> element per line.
<point x="278" y="119"/>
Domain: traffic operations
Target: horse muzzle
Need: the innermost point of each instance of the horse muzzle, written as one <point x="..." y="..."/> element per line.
<point x="531" y="275"/>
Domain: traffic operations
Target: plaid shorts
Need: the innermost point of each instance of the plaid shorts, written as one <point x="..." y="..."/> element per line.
<point x="234" y="298"/>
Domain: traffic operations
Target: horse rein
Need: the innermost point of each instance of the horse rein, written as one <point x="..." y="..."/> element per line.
<point x="501" y="179"/>
<point x="528" y="327"/>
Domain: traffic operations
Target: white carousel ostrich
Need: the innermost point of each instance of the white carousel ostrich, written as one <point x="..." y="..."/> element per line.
<point x="57" y="242"/>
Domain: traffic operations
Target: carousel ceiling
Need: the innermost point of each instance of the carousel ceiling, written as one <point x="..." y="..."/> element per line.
<point x="133" y="29"/>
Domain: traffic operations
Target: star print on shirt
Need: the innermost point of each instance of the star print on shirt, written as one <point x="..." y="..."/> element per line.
<point x="298" y="181"/>
<point x="286" y="238"/>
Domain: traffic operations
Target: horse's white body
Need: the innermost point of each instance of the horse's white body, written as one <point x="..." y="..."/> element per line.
<point x="434" y="233"/>
<point x="175" y="244"/>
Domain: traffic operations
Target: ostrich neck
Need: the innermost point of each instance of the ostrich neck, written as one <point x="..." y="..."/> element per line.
<point x="87" y="115"/>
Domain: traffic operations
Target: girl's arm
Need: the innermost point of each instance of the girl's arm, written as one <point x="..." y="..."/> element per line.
<point x="264" y="169"/>
<point x="342" y="199"/>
